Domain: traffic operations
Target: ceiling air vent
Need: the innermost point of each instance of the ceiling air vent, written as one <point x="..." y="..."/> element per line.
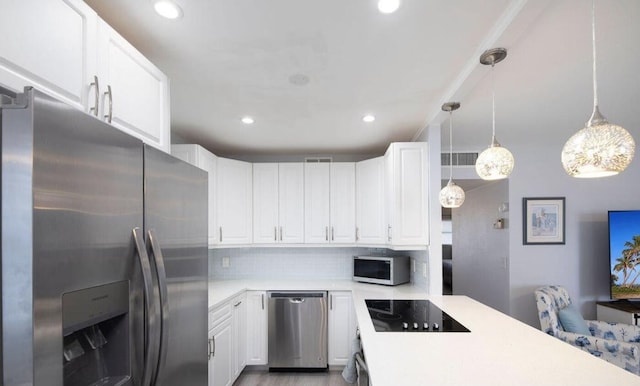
<point x="314" y="160"/>
<point x="459" y="159"/>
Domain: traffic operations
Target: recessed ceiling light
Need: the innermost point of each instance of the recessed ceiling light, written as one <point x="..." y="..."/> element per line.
<point x="368" y="118"/>
<point x="247" y="120"/>
<point x="168" y="9"/>
<point x="388" y="6"/>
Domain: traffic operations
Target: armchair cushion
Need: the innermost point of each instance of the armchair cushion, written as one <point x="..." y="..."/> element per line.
<point x="572" y="321"/>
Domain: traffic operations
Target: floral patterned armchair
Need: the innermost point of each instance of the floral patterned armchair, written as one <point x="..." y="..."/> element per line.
<point x="616" y="343"/>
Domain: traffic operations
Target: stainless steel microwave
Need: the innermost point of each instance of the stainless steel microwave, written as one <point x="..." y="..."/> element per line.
<point x="388" y="270"/>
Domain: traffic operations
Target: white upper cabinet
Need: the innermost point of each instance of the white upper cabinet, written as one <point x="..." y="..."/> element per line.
<point x="202" y="158"/>
<point x="329" y="202"/>
<point x="407" y="195"/>
<point x="136" y="93"/>
<point x="234" y="202"/>
<point x="278" y="203"/>
<point x="50" y="45"/>
<point x="370" y="201"/>
<point x="64" y="49"/>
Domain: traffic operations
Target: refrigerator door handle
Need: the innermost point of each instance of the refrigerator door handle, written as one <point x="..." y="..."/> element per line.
<point x="164" y="300"/>
<point x="151" y="318"/>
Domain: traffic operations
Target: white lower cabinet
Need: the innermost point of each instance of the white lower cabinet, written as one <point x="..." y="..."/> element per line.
<point x="257" y="331"/>
<point x="342" y="327"/>
<point x="220" y="347"/>
<point x="227" y="341"/>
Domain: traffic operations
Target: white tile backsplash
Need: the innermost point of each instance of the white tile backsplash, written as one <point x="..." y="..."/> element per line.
<point x="295" y="263"/>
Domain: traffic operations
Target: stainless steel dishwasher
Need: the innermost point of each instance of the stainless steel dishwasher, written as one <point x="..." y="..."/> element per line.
<point x="297" y="330"/>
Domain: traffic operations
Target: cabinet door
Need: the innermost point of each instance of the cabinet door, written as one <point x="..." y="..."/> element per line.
<point x="291" y="203"/>
<point x="265" y="203"/>
<point x="51" y="45"/>
<point x="234" y="202"/>
<point x="257" y="332"/>
<point x="220" y="364"/>
<point x="409" y="213"/>
<point x="139" y="100"/>
<point x="239" y="330"/>
<point x="205" y="160"/>
<point x="370" y="201"/>
<point x="343" y="202"/>
<point x="342" y="327"/>
<point x="316" y="202"/>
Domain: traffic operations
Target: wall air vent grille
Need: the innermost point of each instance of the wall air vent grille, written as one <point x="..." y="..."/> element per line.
<point x="459" y="159"/>
<point x="315" y="160"/>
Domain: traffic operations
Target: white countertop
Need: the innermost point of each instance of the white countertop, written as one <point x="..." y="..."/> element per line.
<point x="499" y="350"/>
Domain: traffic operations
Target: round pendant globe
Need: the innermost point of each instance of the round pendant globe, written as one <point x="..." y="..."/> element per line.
<point x="495" y="163"/>
<point x="598" y="150"/>
<point x="451" y="196"/>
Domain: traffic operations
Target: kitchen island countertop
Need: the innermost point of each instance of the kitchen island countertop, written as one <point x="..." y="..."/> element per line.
<point x="499" y="350"/>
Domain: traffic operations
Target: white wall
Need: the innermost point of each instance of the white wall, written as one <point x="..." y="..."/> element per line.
<point x="480" y="252"/>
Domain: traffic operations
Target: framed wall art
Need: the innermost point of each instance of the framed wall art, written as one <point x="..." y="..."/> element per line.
<point x="543" y="220"/>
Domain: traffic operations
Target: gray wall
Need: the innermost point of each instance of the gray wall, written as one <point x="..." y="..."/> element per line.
<point x="480" y="252"/>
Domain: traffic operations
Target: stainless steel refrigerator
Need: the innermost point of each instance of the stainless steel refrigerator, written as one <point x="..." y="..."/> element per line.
<point x="104" y="253"/>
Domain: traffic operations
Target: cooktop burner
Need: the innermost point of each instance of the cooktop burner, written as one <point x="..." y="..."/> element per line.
<point x="411" y="316"/>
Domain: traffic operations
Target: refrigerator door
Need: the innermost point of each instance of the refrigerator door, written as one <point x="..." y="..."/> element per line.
<point x="71" y="196"/>
<point x="175" y="207"/>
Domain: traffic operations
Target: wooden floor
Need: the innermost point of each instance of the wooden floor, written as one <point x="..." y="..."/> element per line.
<point x="265" y="378"/>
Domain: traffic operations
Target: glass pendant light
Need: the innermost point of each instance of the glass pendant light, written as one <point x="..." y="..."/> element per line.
<point x="600" y="149"/>
<point x="496" y="162"/>
<point x="451" y="196"/>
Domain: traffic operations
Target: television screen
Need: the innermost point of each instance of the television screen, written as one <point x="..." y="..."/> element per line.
<point x="624" y="254"/>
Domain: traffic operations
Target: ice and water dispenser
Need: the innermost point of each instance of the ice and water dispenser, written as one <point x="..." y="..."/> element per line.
<point x="96" y="336"/>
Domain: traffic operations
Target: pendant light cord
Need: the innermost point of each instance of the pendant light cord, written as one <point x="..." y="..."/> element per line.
<point x="593" y="47"/>
<point x="450" y="146"/>
<point x="493" y="104"/>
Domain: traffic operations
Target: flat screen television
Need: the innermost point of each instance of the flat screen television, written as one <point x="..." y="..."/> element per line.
<point x="624" y="254"/>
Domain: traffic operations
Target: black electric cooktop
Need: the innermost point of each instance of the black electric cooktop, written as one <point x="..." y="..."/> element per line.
<point x="411" y="316"/>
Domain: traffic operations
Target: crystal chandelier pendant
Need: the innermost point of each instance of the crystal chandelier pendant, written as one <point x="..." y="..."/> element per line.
<point x="600" y="149"/>
<point x="452" y="196"/>
<point x="495" y="163"/>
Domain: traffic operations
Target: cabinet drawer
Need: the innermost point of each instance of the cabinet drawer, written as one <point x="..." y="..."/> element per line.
<point x="219" y="314"/>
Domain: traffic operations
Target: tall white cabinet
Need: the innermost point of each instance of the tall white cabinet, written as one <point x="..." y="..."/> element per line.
<point x="278" y="203"/>
<point x="342" y="327"/>
<point x="202" y="158"/>
<point x="257" y="328"/>
<point x="233" y="202"/>
<point x="407" y="195"/>
<point x="64" y="49"/>
<point x="329" y="202"/>
<point x="370" y="202"/>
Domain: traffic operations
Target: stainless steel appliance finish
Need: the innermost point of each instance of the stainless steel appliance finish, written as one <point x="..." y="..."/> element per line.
<point x="297" y="330"/>
<point x="91" y="219"/>
<point x="387" y="270"/>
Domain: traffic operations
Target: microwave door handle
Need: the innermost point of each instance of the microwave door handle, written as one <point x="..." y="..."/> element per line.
<point x="150" y="309"/>
<point x="164" y="301"/>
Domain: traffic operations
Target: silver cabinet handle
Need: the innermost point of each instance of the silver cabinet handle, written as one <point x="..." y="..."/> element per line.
<point x="220" y="234"/>
<point x="109" y="95"/>
<point x="237" y="304"/>
<point x="326" y="233"/>
<point x="275" y="233"/>
<point x="150" y="311"/>
<point x="280" y="233"/>
<point x="332" y="234"/>
<point x="330" y="302"/>
<point x="161" y="275"/>
<point x="209" y="348"/>
<point x="94" y="109"/>
<point x="262" y="296"/>
<point x="213" y="343"/>
<point x="357" y="234"/>
<point x="389" y="232"/>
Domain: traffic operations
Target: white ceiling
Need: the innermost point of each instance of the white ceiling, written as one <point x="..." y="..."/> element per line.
<point x="231" y="58"/>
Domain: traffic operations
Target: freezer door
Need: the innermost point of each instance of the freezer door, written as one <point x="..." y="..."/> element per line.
<point x="175" y="207"/>
<point x="71" y="195"/>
